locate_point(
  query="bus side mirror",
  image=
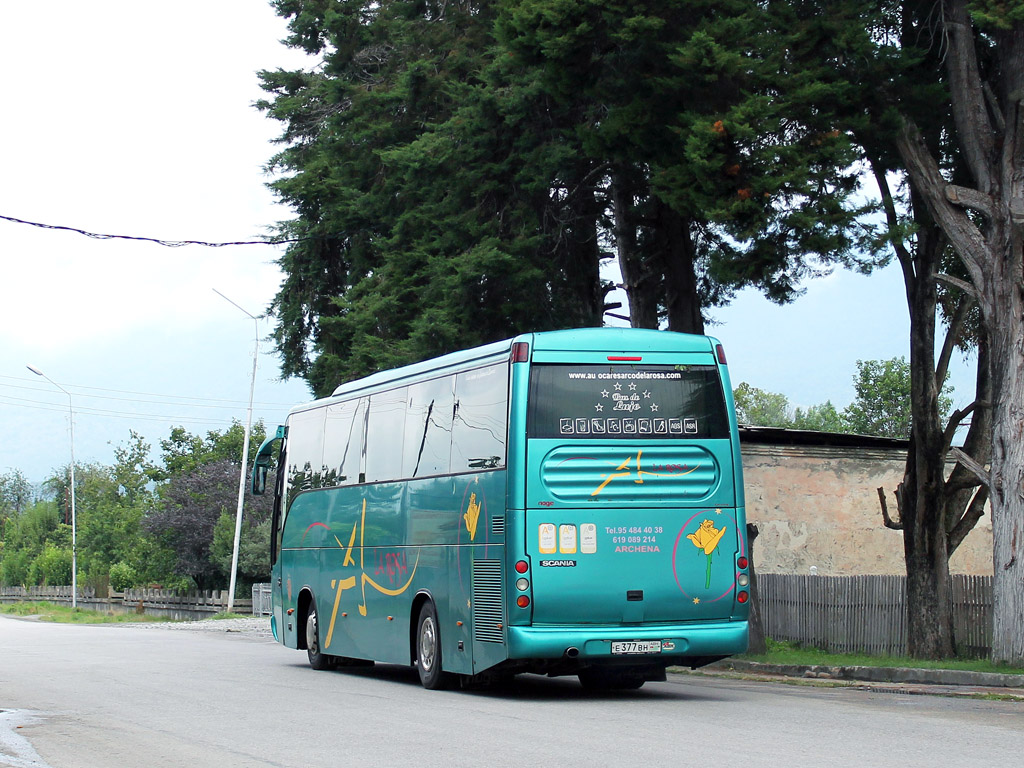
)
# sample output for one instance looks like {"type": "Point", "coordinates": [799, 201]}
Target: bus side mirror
{"type": "Point", "coordinates": [259, 479]}
{"type": "Point", "coordinates": [261, 465]}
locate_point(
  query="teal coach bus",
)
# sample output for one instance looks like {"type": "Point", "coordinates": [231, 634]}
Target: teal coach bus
{"type": "Point", "coordinates": [561, 503]}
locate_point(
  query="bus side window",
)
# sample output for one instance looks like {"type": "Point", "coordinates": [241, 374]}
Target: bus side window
{"type": "Point", "coordinates": [480, 425]}
{"type": "Point", "coordinates": [343, 442]}
{"type": "Point", "coordinates": [385, 432]}
{"type": "Point", "coordinates": [305, 452]}
{"type": "Point", "coordinates": [428, 428]}
{"type": "Point", "coordinates": [276, 527]}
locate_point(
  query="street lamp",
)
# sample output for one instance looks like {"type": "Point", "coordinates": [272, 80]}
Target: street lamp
{"type": "Point", "coordinates": [245, 455]}
{"type": "Point", "coordinates": [74, 527]}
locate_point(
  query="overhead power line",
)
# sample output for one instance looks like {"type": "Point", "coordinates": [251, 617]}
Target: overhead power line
{"type": "Point", "coordinates": [158, 241]}
{"type": "Point", "coordinates": [18, 402]}
{"type": "Point", "coordinates": [200, 402]}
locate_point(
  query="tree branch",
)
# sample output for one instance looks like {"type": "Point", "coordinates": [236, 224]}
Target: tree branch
{"type": "Point", "coordinates": [961, 285]}
{"type": "Point", "coordinates": [888, 521]}
{"type": "Point", "coordinates": [954, 422]}
{"type": "Point", "coordinates": [929, 182]}
{"type": "Point", "coordinates": [971, 198]}
{"type": "Point", "coordinates": [891, 216]}
{"type": "Point", "coordinates": [973, 126]}
{"type": "Point", "coordinates": [968, 463]}
{"type": "Point", "coordinates": [956, 323]}
{"type": "Point", "coordinates": [974, 512]}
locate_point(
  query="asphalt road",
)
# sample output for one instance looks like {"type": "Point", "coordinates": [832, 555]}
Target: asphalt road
{"type": "Point", "coordinates": [123, 696]}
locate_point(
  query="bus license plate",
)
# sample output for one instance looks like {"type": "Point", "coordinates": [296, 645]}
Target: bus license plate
{"type": "Point", "coordinates": [627, 647]}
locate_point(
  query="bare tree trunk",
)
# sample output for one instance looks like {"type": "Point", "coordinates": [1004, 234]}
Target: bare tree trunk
{"type": "Point", "coordinates": [579, 262]}
{"type": "Point", "coordinates": [678, 259]}
{"type": "Point", "coordinates": [758, 643]}
{"type": "Point", "coordinates": [921, 495]}
{"type": "Point", "coordinates": [990, 132]}
{"type": "Point", "coordinates": [929, 607]}
{"type": "Point", "coordinates": [639, 280]}
{"type": "Point", "coordinates": [1007, 473]}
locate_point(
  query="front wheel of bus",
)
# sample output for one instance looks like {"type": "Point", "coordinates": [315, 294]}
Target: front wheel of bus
{"type": "Point", "coordinates": [428, 650]}
{"type": "Point", "coordinates": [317, 659]}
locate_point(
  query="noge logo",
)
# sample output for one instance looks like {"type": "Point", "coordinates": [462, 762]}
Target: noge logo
{"type": "Point", "coordinates": [557, 563]}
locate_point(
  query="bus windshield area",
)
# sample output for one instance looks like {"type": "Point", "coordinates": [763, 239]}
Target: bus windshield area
{"type": "Point", "coordinates": [626, 402]}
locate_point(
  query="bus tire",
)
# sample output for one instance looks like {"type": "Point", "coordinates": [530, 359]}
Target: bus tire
{"type": "Point", "coordinates": [428, 650]}
{"type": "Point", "coordinates": [317, 658]}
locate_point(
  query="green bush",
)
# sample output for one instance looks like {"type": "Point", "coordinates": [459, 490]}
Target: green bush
{"type": "Point", "coordinates": [53, 566]}
{"type": "Point", "coordinates": [122, 577]}
{"type": "Point", "coordinates": [14, 568]}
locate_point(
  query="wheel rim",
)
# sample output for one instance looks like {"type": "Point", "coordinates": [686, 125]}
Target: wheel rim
{"type": "Point", "coordinates": [312, 639]}
{"type": "Point", "coordinates": [428, 644]}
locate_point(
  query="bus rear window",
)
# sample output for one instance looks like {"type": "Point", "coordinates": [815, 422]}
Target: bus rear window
{"type": "Point", "coordinates": [609, 402]}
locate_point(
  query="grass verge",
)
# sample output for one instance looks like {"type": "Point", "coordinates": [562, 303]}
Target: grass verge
{"type": "Point", "coordinates": [63, 614]}
{"type": "Point", "coordinates": [793, 654]}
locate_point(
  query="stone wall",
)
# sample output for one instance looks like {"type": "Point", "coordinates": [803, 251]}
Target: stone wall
{"type": "Point", "coordinates": [817, 506]}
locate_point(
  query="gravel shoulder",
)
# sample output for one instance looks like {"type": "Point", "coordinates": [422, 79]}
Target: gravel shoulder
{"type": "Point", "coordinates": [257, 626]}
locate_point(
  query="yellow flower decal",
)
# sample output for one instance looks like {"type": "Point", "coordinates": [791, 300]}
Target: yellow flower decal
{"type": "Point", "coordinates": [707, 538]}
{"type": "Point", "coordinates": [472, 516]}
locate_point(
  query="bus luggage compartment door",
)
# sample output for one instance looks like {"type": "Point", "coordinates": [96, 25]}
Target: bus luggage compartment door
{"type": "Point", "coordinates": [629, 566]}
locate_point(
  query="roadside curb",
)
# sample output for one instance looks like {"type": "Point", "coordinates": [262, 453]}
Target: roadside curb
{"type": "Point", "coordinates": [876, 674]}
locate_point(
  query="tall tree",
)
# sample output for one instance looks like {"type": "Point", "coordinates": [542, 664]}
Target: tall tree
{"type": "Point", "coordinates": [460, 170]}
{"type": "Point", "coordinates": [15, 496]}
{"type": "Point", "coordinates": [194, 514]}
{"type": "Point", "coordinates": [981, 214]}
{"type": "Point", "coordinates": [883, 399]}
{"type": "Point", "coordinates": [184, 520]}
{"type": "Point", "coordinates": [876, 64]}
{"type": "Point", "coordinates": [711, 170]}
{"type": "Point", "coordinates": [422, 236]}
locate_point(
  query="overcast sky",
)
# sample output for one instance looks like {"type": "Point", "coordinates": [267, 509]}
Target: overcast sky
{"type": "Point", "coordinates": [131, 118]}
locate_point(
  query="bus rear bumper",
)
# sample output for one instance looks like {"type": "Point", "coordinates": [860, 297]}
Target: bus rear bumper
{"type": "Point", "coordinates": [676, 640]}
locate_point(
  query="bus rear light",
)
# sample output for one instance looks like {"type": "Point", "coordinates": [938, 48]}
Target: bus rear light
{"type": "Point", "coordinates": [742, 597]}
{"type": "Point", "coordinates": [520, 352]}
{"type": "Point", "coordinates": [624, 359]}
{"type": "Point", "coordinates": [523, 601]}
{"type": "Point", "coordinates": [742, 562]}
{"type": "Point", "coordinates": [720, 354]}
{"type": "Point", "coordinates": [522, 566]}
{"type": "Point", "coordinates": [743, 579]}
{"type": "Point", "coordinates": [522, 584]}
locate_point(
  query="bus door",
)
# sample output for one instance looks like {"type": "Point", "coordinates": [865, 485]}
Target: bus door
{"type": "Point", "coordinates": [261, 468]}
{"type": "Point", "coordinates": [631, 498]}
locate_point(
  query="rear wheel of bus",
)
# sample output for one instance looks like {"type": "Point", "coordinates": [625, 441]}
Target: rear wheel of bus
{"type": "Point", "coordinates": [317, 658]}
{"type": "Point", "coordinates": [428, 650]}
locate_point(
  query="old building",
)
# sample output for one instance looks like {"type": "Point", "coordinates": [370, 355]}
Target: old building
{"type": "Point", "coordinates": [814, 499]}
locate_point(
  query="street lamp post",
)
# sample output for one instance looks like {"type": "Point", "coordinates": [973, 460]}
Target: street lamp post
{"type": "Point", "coordinates": [245, 455]}
{"type": "Point", "coordinates": [74, 526]}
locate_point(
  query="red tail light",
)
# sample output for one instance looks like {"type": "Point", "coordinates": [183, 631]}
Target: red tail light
{"type": "Point", "coordinates": [623, 359]}
{"type": "Point", "coordinates": [742, 597]}
{"type": "Point", "coordinates": [742, 562]}
{"type": "Point", "coordinates": [523, 601]}
{"type": "Point", "coordinates": [520, 352]}
{"type": "Point", "coordinates": [720, 353]}
{"type": "Point", "coordinates": [522, 566]}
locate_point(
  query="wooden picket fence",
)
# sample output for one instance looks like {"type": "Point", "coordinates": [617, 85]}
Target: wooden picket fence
{"type": "Point", "coordinates": [866, 614]}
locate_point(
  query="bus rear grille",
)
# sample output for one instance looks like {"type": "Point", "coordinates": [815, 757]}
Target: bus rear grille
{"type": "Point", "coordinates": [498, 526]}
{"type": "Point", "coordinates": [488, 605]}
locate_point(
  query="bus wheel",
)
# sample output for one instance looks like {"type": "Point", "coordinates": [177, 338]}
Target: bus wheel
{"type": "Point", "coordinates": [317, 659]}
{"type": "Point", "coordinates": [428, 650]}
{"type": "Point", "coordinates": [597, 679]}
